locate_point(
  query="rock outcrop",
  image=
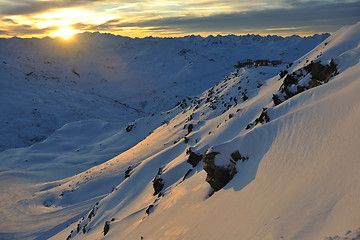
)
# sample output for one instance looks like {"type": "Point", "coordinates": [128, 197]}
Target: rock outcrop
{"type": "Point", "coordinates": [106, 227]}
{"type": "Point", "coordinates": [158, 183]}
{"type": "Point", "coordinates": [194, 159]}
{"type": "Point", "coordinates": [218, 176]}
{"type": "Point", "coordinates": [298, 81]}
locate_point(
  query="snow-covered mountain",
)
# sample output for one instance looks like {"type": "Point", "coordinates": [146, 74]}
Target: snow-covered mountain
{"type": "Point", "coordinates": [267, 153]}
{"type": "Point", "coordinates": [47, 83]}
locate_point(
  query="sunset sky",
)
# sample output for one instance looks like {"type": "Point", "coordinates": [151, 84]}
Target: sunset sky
{"type": "Point", "coordinates": [134, 18]}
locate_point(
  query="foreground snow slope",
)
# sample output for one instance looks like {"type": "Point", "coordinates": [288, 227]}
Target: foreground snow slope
{"type": "Point", "coordinates": [47, 83]}
{"type": "Point", "coordinates": [298, 177]}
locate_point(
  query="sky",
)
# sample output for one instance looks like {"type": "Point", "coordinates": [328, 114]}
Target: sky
{"type": "Point", "coordinates": [174, 18]}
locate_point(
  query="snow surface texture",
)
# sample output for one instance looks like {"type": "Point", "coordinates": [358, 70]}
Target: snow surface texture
{"type": "Point", "coordinates": [47, 83]}
{"type": "Point", "coordinates": [296, 163]}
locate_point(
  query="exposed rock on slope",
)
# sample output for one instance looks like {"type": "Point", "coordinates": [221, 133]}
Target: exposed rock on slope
{"type": "Point", "coordinates": [310, 76]}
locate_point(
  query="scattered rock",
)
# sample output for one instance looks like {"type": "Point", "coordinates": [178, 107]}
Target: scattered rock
{"type": "Point", "coordinates": [263, 118]}
{"type": "Point", "coordinates": [129, 127]}
{"type": "Point", "coordinates": [91, 214]}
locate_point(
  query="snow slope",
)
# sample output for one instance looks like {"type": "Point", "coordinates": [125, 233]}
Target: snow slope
{"type": "Point", "coordinates": [297, 176]}
{"type": "Point", "coordinates": [47, 83]}
{"type": "Point", "coordinates": [300, 180]}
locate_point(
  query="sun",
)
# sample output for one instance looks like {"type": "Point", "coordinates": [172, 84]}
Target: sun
{"type": "Point", "coordinates": [65, 32]}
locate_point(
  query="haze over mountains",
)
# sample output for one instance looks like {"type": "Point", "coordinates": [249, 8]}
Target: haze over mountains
{"type": "Point", "coordinates": [116, 138]}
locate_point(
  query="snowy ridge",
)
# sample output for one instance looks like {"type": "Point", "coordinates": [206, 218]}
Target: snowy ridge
{"type": "Point", "coordinates": [279, 154]}
{"type": "Point", "coordinates": [277, 170]}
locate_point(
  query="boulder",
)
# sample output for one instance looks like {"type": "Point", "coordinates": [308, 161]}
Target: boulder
{"type": "Point", "coordinates": [106, 227]}
{"type": "Point", "coordinates": [236, 156]}
{"type": "Point", "coordinates": [218, 176]}
{"type": "Point", "coordinates": [194, 159]}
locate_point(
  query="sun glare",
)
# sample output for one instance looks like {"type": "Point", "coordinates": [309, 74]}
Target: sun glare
{"type": "Point", "coordinates": [65, 32]}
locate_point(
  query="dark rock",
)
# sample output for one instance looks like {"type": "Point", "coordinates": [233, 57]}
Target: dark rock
{"type": "Point", "coordinates": [84, 229]}
{"type": "Point", "coordinates": [290, 80]}
{"type": "Point", "coordinates": [217, 176]}
{"type": "Point", "coordinates": [158, 183]}
{"type": "Point", "coordinates": [148, 209]}
{"type": "Point", "coordinates": [313, 83]}
{"type": "Point", "coordinates": [190, 128]}
{"type": "Point", "coordinates": [127, 172]}
{"type": "Point", "coordinates": [264, 117]}
{"type": "Point", "coordinates": [106, 227]}
{"type": "Point", "coordinates": [283, 73]}
{"type": "Point", "coordinates": [92, 213]}
{"type": "Point", "coordinates": [194, 159]}
{"type": "Point", "coordinates": [129, 127]}
{"type": "Point", "coordinates": [320, 74]}
{"type": "Point", "coordinates": [276, 99]}
{"type": "Point", "coordinates": [236, 156]}
{"type": "Point", "coordinates": [245, 97]}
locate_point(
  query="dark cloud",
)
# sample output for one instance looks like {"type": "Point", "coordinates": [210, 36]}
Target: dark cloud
{"type": "Point", "coordinates": [25, 29]}
{"type": "Point", "coordinates": [310, 15]}
{"type": "Point", "coordinates": [27, 7]}
{"type": "Point", "coordinates": [9, 20]}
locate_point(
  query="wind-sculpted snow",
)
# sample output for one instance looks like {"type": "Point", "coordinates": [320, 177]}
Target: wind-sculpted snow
{"type": "Point", "coordinates": [228, 163]}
